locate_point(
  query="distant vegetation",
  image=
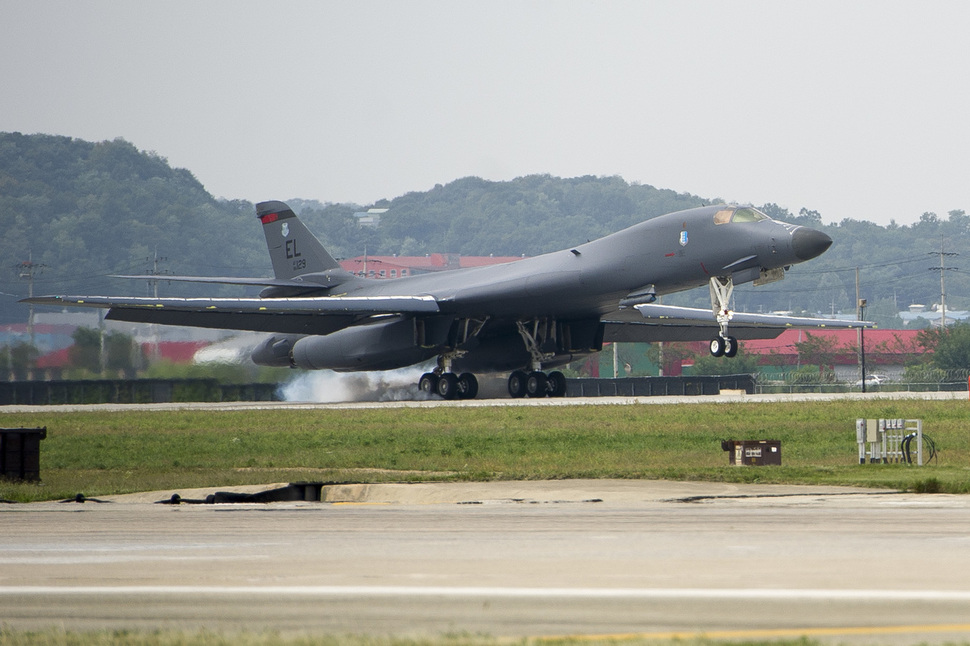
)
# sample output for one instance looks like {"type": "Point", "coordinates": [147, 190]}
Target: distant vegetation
{"type": "Point", "coordinates": [86, 210]}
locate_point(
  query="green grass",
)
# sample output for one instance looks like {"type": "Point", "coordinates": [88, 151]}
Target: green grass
{"type": "Point", "coordinates": [100, 453]}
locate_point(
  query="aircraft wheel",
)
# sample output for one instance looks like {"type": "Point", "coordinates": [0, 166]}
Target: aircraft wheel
{"type": "Point", "coordinates": [717, 347]}
{"type": "Point", "coordinates": [731, 347]}
{"type": "Point", "coordinates": [535, 384]}
{"type": "Point", "coordinates": [448, 386]}
{"type": "Point", "coordinates": [517, 384]}
{"type": "Point", "coordinates": [467, 386]}
{"type": "Point", "coordinates": [557, 384]}
{"type": "Point", "coordinates": [428, 384]}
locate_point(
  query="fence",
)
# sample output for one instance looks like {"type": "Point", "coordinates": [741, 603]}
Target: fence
{"type": "Point", "coordinates": [659, 386]}
{"type": "Point", "coordinates": [133, 391]}
{"type": "Point", "coordinates": [915, 381]}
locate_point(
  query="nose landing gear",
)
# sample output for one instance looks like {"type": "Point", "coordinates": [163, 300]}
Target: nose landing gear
{"type": "Point", "coordinates": [723, 345]}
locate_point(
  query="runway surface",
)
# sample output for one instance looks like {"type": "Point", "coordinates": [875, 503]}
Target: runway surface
{"type": "Point", "coordinates": [730, 397]}
{"type": "Point", "coordinates": [613, 558]}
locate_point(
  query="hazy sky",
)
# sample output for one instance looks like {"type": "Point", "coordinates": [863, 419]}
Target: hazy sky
{"type": "Point", "coordinates": [855, 109]}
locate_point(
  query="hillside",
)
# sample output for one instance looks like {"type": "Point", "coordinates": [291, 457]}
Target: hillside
{"type": "Point", "coordinates": [86, 210]}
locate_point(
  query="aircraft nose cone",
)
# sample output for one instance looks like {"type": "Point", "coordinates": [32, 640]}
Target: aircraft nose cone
{"type": "Point", "coordinates": [809, 243]}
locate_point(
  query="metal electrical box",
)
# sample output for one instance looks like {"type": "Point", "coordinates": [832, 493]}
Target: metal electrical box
{"type": "Point", "coordinates": [20, 452]}
{"type": "Point", "coordinates": [889, 441]}
{"type": "Point", "coordinates": [753, 452]}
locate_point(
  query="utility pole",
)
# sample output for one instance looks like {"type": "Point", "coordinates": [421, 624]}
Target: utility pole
{"type": "Point", "coordinates": [155, 272]}
{"type": "Point", "coordinates": [942, 271]}
{"type": "Point", "coordinates": [860, 335]}
{"type": "Point", "coordinates": [26, 271]}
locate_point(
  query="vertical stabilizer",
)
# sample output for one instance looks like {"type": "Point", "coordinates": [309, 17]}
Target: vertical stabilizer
{"type": "Point", "coordinates": [293, 250]}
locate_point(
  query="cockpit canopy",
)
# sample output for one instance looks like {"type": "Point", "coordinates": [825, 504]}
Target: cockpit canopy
{"type": "Point", "coordinates": [739, 214]}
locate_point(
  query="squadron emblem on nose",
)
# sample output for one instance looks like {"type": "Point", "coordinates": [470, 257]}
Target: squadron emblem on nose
{"type": "Point", "coordinates": [683, 238]}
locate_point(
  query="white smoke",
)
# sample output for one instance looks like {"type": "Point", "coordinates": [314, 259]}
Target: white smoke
{"type": "Point", "coordinates": [236, 350]}
{"type": "Point", "coordinates": [327, 386]}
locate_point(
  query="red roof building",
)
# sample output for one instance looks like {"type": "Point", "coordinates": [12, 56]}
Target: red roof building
{"type": "Point", "coordinates": [886, 347]}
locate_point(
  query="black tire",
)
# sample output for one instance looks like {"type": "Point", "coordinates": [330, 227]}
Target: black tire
{"type": "Point", "coordinates": [428, 384]}
{"type": "Point", "coordinates": [535, 384]}
{"type": "Point", "coordinates": [557, 384]}
{"type": "Point", "coordinates": [448, 386]}
{"type": "Point", "coordinates": [731, 347]}
{"type": "Point", "coordinates": [467, 386]}
{"type": "Point", "coordinates": [517, 384]}
{"type": "Point", "coordinates": [717, 347]}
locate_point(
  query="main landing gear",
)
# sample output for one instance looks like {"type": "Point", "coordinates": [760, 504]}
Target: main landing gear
{"type": "Point", "coordinates": [723, 345]}
{"type": "Point", "coordinates": [449, 385]}
{"type": "Point", "coordinates": [537, 384]}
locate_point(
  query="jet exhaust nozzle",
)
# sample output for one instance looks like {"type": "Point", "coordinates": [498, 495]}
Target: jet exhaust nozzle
{"type": "Point", "coordinates": [274, 351]}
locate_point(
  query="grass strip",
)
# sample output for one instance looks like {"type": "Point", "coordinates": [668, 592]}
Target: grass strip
{"type": "Point", "coordinates": [102, 453]}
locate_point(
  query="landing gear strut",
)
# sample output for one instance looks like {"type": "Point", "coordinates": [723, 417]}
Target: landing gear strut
{"type": "Point", "coordinates": [723, 345]}
{"type": "Point", "coordinates": [536, 383]}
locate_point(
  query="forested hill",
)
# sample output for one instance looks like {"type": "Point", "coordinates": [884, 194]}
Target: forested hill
{"type": "Point", "coordinates": [86, 210]}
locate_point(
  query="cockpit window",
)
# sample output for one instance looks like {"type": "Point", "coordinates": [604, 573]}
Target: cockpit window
{"type": "Point", "coordinates": [748, 215]}
{"type": "Point", "coordinates": [723, 217]}
{"type": "Point", "coordinates": [741, 214]}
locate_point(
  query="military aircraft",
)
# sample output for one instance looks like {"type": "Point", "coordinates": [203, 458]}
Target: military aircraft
{"type": "Point", "coordinates": [524, 317]}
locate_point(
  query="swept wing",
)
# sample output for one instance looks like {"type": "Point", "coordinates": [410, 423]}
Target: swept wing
{"type": "Point", "coordinates": [320, 315]}
{"type": "Point", "coordinates": [654, 322]}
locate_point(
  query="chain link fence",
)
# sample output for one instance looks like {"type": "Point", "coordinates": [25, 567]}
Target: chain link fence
{"type": "Point", "coordinates": [913, 379]}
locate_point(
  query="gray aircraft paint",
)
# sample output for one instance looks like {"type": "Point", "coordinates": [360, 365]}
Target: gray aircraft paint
{"type": "Point", "coordinates": [565, 303]}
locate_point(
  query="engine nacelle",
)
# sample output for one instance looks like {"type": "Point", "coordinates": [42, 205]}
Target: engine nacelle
{"type": "Point", "coordinates": [275, 351]}
{"type": "Point", "coordinates": [377, 346]}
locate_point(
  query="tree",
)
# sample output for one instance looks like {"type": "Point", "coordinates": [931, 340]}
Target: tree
{"type": "Point", "coordinates": [743, 363]}
{"type": "Point", "coordinates": [818, 351]}
{"type": "Point", "coordinates": [4, 363]}
{"type": "Point", "coordinates": [23, 359]}
{"type": "Point", "coordinates": [85, 354]}
{"type": "Point", "coordinates": [673, 355]}
{"type": "Point", "coordinates": [122, 354]}
{"type": "Point", "coordinates": [950, 346]}
{"type": "Point", "coordinates": [884, 313]}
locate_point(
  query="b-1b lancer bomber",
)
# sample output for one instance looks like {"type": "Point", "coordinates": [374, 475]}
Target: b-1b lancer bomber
{"type": "Point", "coordinates": [522, 317]}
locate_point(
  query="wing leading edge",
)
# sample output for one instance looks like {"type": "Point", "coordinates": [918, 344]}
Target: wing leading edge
{"type": "Point", "coordinates": [653, 322]}
{"type": "Point", "coordinates": [286, 315]}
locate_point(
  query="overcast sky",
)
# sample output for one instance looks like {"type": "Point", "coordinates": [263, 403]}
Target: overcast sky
{"type": "Point", "coordinates": [855, 109]}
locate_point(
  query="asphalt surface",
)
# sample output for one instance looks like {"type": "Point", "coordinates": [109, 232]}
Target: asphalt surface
{"type": "Point", "coordinates": [728, 397]}
{"type": "Point", "coordinates": [613, 558]}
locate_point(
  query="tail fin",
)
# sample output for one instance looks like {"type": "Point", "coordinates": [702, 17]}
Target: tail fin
{"type": "Point", "coordinates": [293, 250]}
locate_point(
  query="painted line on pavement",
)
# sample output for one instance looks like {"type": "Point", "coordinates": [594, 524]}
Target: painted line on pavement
{"type": "Point", "coordinates": [744, 594]}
